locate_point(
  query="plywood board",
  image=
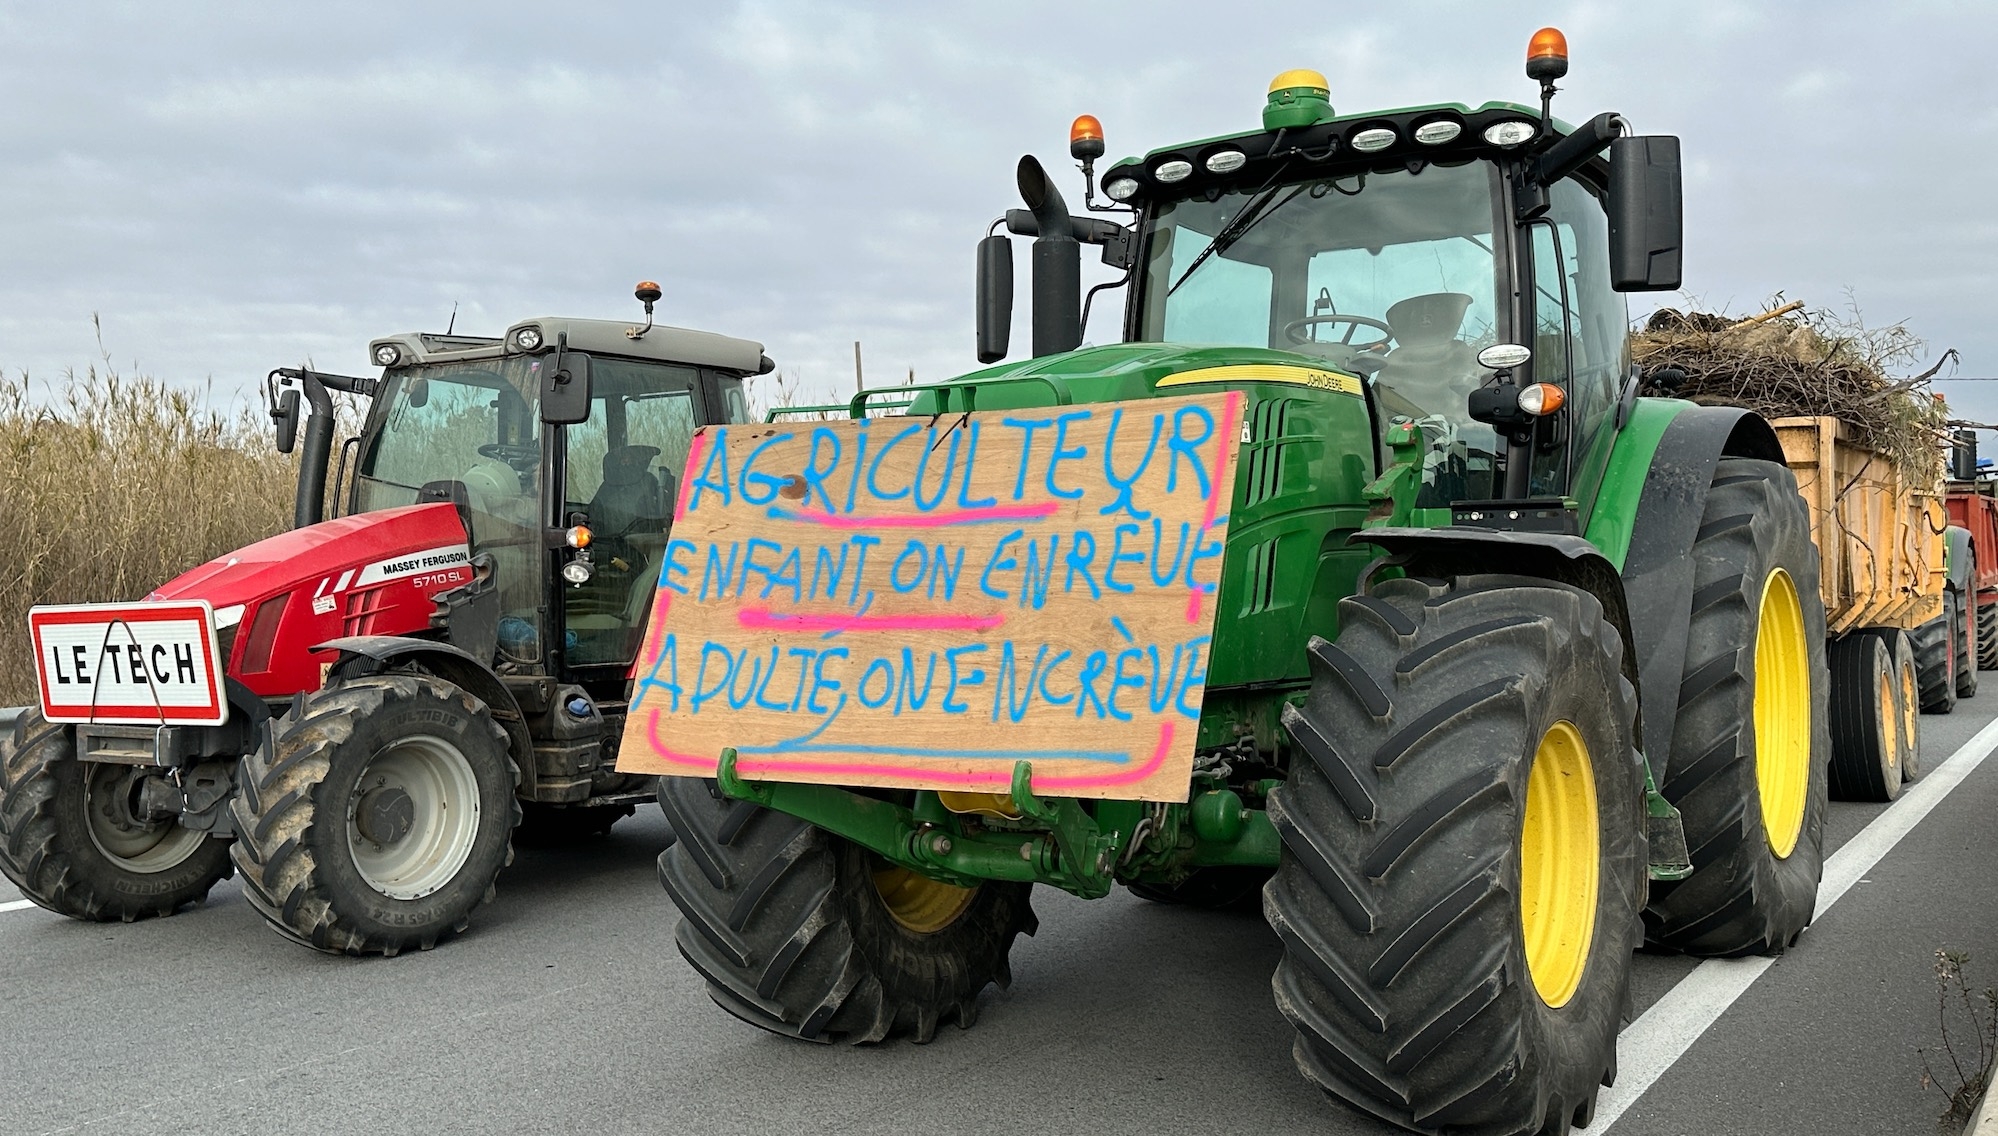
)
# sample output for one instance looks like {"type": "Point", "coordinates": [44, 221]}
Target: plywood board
{"type": "Point", "coordinates": [923, 602]}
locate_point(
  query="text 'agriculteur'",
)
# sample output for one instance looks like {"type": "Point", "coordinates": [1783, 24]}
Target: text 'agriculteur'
{"type": "Point", "coordinates": [924, 601]}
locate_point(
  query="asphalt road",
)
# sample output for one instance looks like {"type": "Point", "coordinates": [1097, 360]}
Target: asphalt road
{"type": "Point", "coordinates": [566, 1008]}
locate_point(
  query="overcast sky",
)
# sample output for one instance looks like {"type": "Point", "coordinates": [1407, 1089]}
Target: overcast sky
{"type": "Point", "coordinates": [238, 187]}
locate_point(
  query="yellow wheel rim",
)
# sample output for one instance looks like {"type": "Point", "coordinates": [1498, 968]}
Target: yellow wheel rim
{"type": "Point", "coordinates": [1558, 868]}
{"type": "Point", "coordinates": [1890, 722]}
{"type": "Point", "coordinates": [918, 902]}
{"type": "Point", "coordinates": [1783, 713]}
{"type": "Point", "coordinates": [1910, 709]}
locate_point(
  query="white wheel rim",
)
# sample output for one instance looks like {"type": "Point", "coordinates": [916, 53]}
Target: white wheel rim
{"type": "Point", "coordinates": [444, 799]}
{"type": "Point", "coordinates": [140, 846]}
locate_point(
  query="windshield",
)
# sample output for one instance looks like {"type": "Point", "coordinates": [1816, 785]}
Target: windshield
{"type": "Point", "coordinates": [1386, 275]}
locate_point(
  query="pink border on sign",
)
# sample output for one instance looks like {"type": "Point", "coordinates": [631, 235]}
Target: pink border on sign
{"type": "Point", "coordinates": [994, 780]}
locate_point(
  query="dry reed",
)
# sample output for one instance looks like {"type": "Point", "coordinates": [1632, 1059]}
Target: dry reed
{"type": "Point", "coordinates": [117, 486]}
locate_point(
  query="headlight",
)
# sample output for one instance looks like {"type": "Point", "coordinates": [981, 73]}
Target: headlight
{"type": "Point", "coordinates": [576, 572]}
{"type": "Point", "coordinates": [1121, 189]}
{"type": "Point", "coordinates": [1225, 161]}
{"type": "Point", "coordinates": [1541, 399]}
{"type": "Point", "coordinates": [1510, 133]}
{"type": "Point", "coordinates": [1175, 170]}
{"type": "Point", "coordinates": [387, 355]}
{"type": "Point", "coordinates": [1437, 133]}
{"type": "Point", "coordinates": [1369, 141]}
{"type": "Point", "coordinates": [529, 338]}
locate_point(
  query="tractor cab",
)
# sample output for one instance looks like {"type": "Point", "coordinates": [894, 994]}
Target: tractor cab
{"type": "Point", "coordinates": [569, 504]}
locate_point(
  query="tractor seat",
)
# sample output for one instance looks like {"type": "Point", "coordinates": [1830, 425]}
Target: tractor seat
{"type": "Point", "coordinates": [628, 500]}
{"type": "Point", "coordinates": [1429, 366]}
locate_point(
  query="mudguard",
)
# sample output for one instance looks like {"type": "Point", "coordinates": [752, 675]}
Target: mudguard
{"type": "Point", "coordinates": [1460, 551]}
{"type": "Point", "coordinates": [1659, 565]}
{"type": "Point", "coordinates": [1960, 558]}
{"type": "Point", "coordinates": [369, 654]}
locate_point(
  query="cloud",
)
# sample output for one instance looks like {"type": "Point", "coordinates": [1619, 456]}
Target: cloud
{"type": "Point", "coordinates": [236, 187]}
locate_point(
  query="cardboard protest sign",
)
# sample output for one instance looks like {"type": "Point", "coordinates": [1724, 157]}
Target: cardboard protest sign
{"type": "Point", "coordinates": [922, 602]}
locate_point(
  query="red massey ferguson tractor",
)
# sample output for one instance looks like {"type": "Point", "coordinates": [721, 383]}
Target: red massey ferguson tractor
{"type": "Point", "coordinates": [442, 659]}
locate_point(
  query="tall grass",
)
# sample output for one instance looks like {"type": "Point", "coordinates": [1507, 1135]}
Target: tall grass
{"type": "Point", "coordinates": [118, 485]}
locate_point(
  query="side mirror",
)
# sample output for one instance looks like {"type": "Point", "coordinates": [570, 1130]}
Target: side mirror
{"type": "Point", "coordinates": [565, 388]}
{"type": "Point", "coordinates": [995, 297]}
{"type": "Point", "coordinates": [1646, 214]}
{"type": "Point", "coordinates": [1963, 455]}
{"type": "Point", "coordinates": [419, 392]}
{"type": "Point", "coordinates": [286, 417]}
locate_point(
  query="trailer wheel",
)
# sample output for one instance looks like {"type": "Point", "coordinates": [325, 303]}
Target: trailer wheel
{"type": "Point", "coordinates": [379, 818]}
{"type": "Point", "coordinates": [1987, 637]}
{"type": "Point", "coordinates": [1747, 767]}
{"type": "Point", "coordinates": [1964, 659]}
{"type": "Point", "coordinates": [804, 934]}
{"type": "Point", "coordinates": [1908, 699]}
{"type": "Point", "coordinates": [1462, 865]}
{"type": "Point", "coordinates": [72, 840]}
{"type": "Point", "coordinates": [1935, 658]}
{"type": "Point", "coordinates": [1868, 719]}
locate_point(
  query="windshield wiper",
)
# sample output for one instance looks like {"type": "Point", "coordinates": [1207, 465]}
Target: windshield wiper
{"type": "Point", "coordinates": [1235, 230]}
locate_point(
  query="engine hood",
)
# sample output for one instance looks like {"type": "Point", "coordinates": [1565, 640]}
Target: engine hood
{"type": "Point", "coordinates": [1118, 371]}
{"type": "Point", "coordinates": [329, 548]}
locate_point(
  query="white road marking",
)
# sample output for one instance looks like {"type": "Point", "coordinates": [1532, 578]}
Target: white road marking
{"type": "Point", "coordinates": [1663, 1033]}
{"type": "Point", "coordinates": [16, 905]}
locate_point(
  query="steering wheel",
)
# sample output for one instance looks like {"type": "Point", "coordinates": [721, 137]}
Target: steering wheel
{"type": "Point", "coordinates": [1294, 331]}
{"type": "Point", "coordinates": [521, 458]}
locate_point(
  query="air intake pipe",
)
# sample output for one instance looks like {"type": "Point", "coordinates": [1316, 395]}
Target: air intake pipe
{"type": "Point", "coordinates": [1057, 261]}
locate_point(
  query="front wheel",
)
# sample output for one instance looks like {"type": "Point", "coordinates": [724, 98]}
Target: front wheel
{"type": "Point", "coordinates": [379, 818]}
{"type": "Point", "coordinates": [801, 933]}
{"type": "Point", "coordinates": [1463, 861]}
{"type": "Point", "coordinates": [1751, 743]}
{"type": "Point", "coordinates": [76, 838]}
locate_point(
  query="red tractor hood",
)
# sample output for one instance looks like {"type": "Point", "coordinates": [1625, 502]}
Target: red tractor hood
{"type": "Point", "coordinates": [367, 574]}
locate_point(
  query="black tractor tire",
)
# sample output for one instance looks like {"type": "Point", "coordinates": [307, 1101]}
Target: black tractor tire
{"type": "Point", "coordinates": [49, 850]}
{"type": "Point", "coordinates": [1935, 659]}
{"type": "Point", "coordinates": [1987, 637]}
{"type": "Point", "coordinates": [1211, 889]}
{"type": "Point", "coordinates": [554, 826]}
{"type": "Point", "coordinates": [789, 928]}
{"type": "Point", "coordinates": [1743, 896]}
{"type": "Point", "coordinates": [298, 808]}
{"type": "Point", "coordinates": [1399, 891]}
{"type": "Point", "coordinates": [1967, 647]}
{"type": "Point", "coordinates": [1867, 718]}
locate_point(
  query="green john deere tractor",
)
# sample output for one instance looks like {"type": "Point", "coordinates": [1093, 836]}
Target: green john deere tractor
{"type": "Point", "coordinates": [1512, 670]}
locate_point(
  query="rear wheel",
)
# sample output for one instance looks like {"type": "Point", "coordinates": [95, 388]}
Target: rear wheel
{"type": "Point", "coordinates": [1751, 742]}
{"type": "Point", "coordinates": [801, 933]}
{"type": "Point", "coordinates": [1463, 856]}
{"type": "Point", "coordinates": [1935, 659]}
{"type": "Point", "coordinates": [76, 839]}
{"type": "Point", "coordinates": [379, 818]}
{"type": "Point", "coordinates": [1867, 718]}
{"type": "Point", "coordinates": [1966, 655]}
{"type": "Point", "coordinates": [1987, 636]}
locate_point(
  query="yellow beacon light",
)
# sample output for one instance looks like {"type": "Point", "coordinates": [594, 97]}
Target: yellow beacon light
{"type": "Point", "coordinates": [1300, 97]}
